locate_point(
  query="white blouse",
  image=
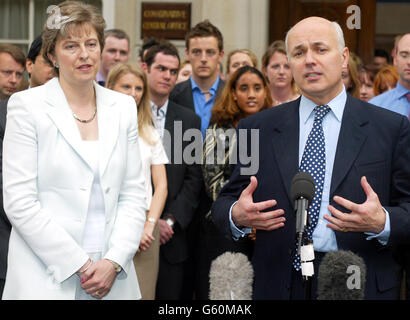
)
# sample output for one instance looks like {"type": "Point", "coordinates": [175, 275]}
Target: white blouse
{"type": "Point", "coordinates": [151, 155]}
{"type": "Point", "coordinates": [93, 238]}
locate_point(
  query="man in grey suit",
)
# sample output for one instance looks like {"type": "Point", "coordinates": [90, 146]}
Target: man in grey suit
{"type": "Point", "coordinates": [12, 61]}
{"type": "Point", "coordinates": [40, 72]}
{"type": "Point", "coordinates": [5, 226]}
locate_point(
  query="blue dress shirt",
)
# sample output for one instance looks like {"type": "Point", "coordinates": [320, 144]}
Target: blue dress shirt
{"type": "Point", "coordinates": [324, 238]}
{"type": "Point", "coordinates": [394, 100]}
{"type": "Point", "coordinates": [100, 79]}
{"type": "Point", "coordinates": [203, 108]}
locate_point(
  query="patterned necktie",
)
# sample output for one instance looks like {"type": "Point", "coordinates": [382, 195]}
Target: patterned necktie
{"type": "Point", "coordinates": [159, 116]}
{"type": "Point", "coordinates": [314, 163]}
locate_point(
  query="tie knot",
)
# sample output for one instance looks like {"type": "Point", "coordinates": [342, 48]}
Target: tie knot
{"type": "Point", "coordinates": [160, 113]}
{"type": "Point", "coordinates": [320, 112]}
{"type": "Point", "coordinates": [408, 96]}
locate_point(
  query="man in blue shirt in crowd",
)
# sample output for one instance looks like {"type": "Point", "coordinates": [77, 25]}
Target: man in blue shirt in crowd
{"type": "Point", "coordinates": [204, 50]}
{"type": "Point", "coordinates": [398, 99]}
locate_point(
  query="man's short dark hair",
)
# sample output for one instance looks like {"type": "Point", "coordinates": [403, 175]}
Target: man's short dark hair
{"type": "Point", "coordinates": [205, 29]}
{"type": "Point", "coordinates": [382, 53]}
{"type": "Point", "coordinates": [35, 49]}
{"type": "Point", "coordinates": [164, 47]}
{"type": "Point", "coordinates": [148, 43]}
{"type": "Point", "coordinates": [117, 33]}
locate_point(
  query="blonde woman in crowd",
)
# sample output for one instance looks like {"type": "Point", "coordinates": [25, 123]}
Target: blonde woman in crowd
{"type": "Point", "coordinates": [76, 198]}
{"type": "Point", "coordinates": [276, 68]}
{"type": "Point", "coordinates": [239, 58]}
{"type": "Point", "coordinates": [131, 80]}
{"type": "Point", "coordinates": [351, 79]}
{"type": "Point", "coordinates": [185, 71]}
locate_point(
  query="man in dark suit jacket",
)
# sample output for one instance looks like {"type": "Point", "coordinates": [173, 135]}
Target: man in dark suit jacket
{"type": "Point", "coordinates": [182, 93]}
{"type": "Point", "coordinates": [5, 226]}
{"type": "Point", "coordinates": [161, 65]}
{"type": "Point", "coordinates": [204, 50]}
{"type": "Point", "coordinates": [365, 203]}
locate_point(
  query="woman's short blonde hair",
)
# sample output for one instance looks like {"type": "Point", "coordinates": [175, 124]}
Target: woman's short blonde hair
{"type": "Point", "coordinates": [72, 15]}
{"type": "Point", "coordinates": [145, 119]}
{"type": "Point", "coordinates": [249, 53]}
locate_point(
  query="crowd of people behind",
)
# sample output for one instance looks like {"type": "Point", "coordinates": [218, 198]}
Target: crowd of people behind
{"type": "Point", "coordinates": [122, 207]}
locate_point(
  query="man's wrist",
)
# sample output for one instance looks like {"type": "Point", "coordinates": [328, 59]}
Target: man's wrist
{"type": "Point", "coordinates": [170, 220]}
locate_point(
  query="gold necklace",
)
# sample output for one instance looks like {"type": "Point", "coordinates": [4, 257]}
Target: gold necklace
{"type": "Point", "coordinates": [88, 120]}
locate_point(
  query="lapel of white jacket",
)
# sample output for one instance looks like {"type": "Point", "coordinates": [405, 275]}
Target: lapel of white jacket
{"type": "Point", "coordinates": [108, 124]}
{"type": "Point", "coordinates": [108, 120]}
{"type": "Point", "coordinates": [61, 114]}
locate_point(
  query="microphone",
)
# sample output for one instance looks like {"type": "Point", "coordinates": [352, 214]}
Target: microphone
{"type": "Point", "coordinates": [231, 277]}
{"type": "Point", "coordinates": [302, 192]}
{"type": "Point", "coordinates": [341, 276]}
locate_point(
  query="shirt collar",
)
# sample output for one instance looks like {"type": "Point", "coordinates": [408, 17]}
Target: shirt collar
{"type": "Point", "coordinates": [159, 111]}
{"type": "Point", "coordinates": [337, 106]}
{"type": "Point", "coordinates": [211, 90]}
{"type": "Point", "coordinates": [400, 91]}
{"type": "Point", "coordinates": [99, 77]}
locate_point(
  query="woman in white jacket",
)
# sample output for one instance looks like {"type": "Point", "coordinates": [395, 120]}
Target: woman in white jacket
{"type": "Point", "coordinates": [73, 185]}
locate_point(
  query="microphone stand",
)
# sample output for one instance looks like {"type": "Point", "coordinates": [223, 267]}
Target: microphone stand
{"type": "Point", "coordinates": [307, 256]}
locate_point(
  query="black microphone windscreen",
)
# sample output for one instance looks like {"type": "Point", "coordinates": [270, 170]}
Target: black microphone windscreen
{"type": "Point", "coordinates": [302, 186]}
{"type": "Point", "coordinates": [341, 276]}
{"type": "Point", "coordinates": [231, 277]}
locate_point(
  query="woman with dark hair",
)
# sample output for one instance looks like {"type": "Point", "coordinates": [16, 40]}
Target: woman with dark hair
{"type": "Point", "coordinates": [245, 93]}
{"type": "Point", "coordinates": [367, 75]}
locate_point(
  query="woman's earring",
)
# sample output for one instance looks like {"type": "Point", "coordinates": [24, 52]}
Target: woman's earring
{"type": "Point", "coordinates": [56, 65]}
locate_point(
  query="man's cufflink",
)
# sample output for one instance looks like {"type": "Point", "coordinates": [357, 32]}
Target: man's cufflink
{"type": "Point", "coordinates": [170, 222]}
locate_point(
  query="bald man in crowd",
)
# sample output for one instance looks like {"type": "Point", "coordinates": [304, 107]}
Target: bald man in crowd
{"type": "Point", "coordinates": [398, 99]}
{"type": "Point", "coordinates": [358, 156]}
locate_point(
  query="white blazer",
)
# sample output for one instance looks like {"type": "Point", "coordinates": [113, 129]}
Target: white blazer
{"type": "Point", "coordinates": [46, 187]}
